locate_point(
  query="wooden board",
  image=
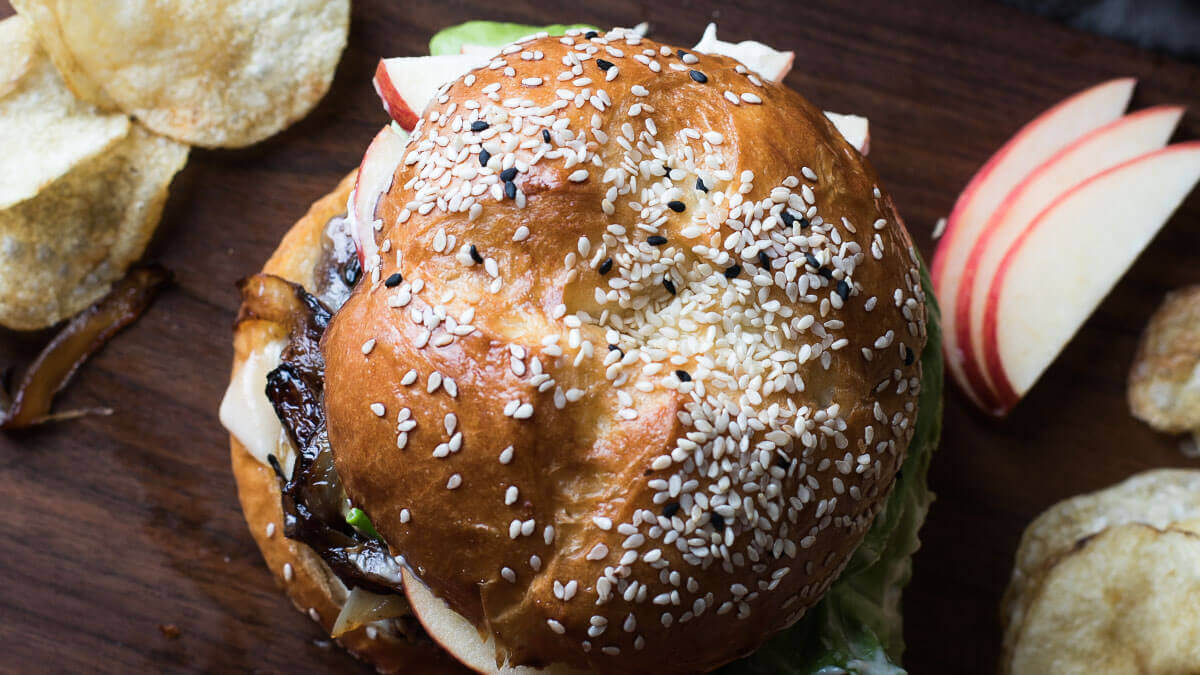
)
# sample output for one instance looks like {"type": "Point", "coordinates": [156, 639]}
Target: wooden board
{"type": "Point", "coordinates": [113, 526]}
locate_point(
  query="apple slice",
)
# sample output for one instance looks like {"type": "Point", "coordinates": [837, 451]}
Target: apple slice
{"type": "Point", "coordinates": [1118, 142]}
{"type": "Point", "coordinates": [375, 174]}
{"type": "Point", "coordinates": [855, 129]}
{"type": "Point", "coordinates": [1063, 265]}
{"type": "Point", "coordinates": [767, 62]}
{"type": "Point", "coordinates": [458, 636]}
{"type": "Point", "coordinates": [1036, 142]}
{"type": "Point", "coordinates": [406, 84]}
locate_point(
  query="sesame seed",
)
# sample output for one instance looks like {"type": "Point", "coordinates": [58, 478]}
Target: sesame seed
{"type": "Point", "coordinates": [698, 76]}
{"type": "Point", "coordinates": [700, 185]}
{"type": "Point", "coordinates": [750, 98]}
{"type": "Point", "coordinates": [676, 206]}
{"type": "Point", "coordinates": [479, 125]}
{"type": "Point", "coordinates": [288, 572]}
{"type": "Point", "coordinates": [732, 271]}
{"type": "Point", "coordinates": [506, 455]}
{"type": "Point", "coordinates": [602, 522]}
{"type": "Point", "coordinates": [378, 409]}
{"type": "Point", "coordinates": [545, 135]}
{"type": "Point", "coordinates": [508, 174]}
{"type": "Point", "coordinates": [591, 34]}
{"type": "Point", "coordinates": [683, 376]}
{"type": "Point", "coordinates": [669, 285]}
{"type": "Point", "coordinates": [475, 254]}
{"type": "Point", "coordinates": [556, 626]}
{"type": "Point", "coordinates": [843, 289]}
{"type": "Point", "coordinates": [454, 482]}
{"type": "Point", "coordinates": [393, 280]}
{"type": "Point", "coordinates": [578, 176]}
{"type": "Point", "coordinates": [598, 552]}
{"type": "Point", "coordinates": [510, 189]}
{"type": "Point", "coordinates": [509, 575]}
{"type": "Point", "coordinates": [270, 530]}
{"type": "Point", "coordinates": [606, 266]}
{"type": "Point", "coordinates": [604, 65]}
{"type": "Point", "coordinates": [656, 240]}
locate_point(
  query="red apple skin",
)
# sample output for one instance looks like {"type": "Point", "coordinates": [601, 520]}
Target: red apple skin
{"type": "Point", "coordinates": [937, 267]}
{"type": "Point", "coordinates": [1008, 395]}
{"type": "Point", "coordinates": [973, 363]}
{"type": "Point", "coordinates": [393, 103]}
{"type": "Point", "coordinates": [387, 147]}
{"type": "Point", "coordinates": [984, 397]}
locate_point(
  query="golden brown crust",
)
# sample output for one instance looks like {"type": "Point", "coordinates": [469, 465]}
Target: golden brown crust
{"type": "Point", "coordinates": [309, 583]}
{"type": "Point", "coordinates": [447, 502]}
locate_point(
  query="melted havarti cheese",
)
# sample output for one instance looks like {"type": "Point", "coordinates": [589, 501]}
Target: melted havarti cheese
{"type": "Point", "coordinates": [249, 416]}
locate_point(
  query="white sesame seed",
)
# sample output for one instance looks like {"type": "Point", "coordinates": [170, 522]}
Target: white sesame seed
{"type": "Point", "coordinates": [454, 482]}
{"type": "Point", "coordinates": [378, 409]}
{"type": "Point", "coordinates": [578, 176]}
{"type": "Point", "coordinates": [288, 572]}
{"type": "Point", "coordinates": [368, 346]}
{"type": "Point", "coordinates": [556, 626]}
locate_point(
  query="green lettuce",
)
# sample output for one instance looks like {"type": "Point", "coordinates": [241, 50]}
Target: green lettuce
{"type": "Point", "coordinates": [856, 628]}
{"type": "Point", "coordinates": [489, 34]}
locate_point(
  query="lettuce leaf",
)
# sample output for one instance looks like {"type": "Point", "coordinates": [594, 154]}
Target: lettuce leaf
{"type": "Point", "coordinates": [857, 628]}
{"type": "Point", "coordinates": [489, 34]}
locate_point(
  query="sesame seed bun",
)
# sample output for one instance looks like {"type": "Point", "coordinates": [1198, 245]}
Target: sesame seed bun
{"type": "Point", "coordinates": [600, 425]}
{"type": "Point", "coordinates": [308, 581]}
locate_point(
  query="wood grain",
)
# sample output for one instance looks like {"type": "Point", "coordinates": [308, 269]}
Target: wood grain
{"type": "Point", "coordinates": [116, 525]}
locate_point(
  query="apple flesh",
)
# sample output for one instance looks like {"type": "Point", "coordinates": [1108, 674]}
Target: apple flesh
{"type": "Point", "coordinates": [1116, 143]}
{"type": "Point", "coordinates": [406, 84]}
{"type": "Point", "coordinates": [375, 174]}
{"type": "Point", "coordinates": [855, 129]}
{"type": "Point", "coordinates": [763, 60]}
{"type": "Point", "coordinates": [458, 636]}
{"type": "Point", "coordinates": [1035, 143]}
{"type": "Point", "coordinates": [1072, 255]}
{"type": "Point", "coordinates": [405, 92]}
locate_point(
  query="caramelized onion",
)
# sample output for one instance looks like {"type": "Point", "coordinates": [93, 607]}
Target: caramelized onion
{"type": "Point", "coordinates": [83, 336]}
{"type": "Point", "coordinates": [363, 607]}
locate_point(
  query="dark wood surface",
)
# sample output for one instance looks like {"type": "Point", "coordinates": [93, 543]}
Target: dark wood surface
{"type": "Point", "coordinates": [114, 526]}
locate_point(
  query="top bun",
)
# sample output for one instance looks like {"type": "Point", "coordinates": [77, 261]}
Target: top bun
{"type": "Point", "coordinates": [653, 362]}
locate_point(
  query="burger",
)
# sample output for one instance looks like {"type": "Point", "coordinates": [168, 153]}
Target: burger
{"type": "Point", "coordinates": [621, 361]}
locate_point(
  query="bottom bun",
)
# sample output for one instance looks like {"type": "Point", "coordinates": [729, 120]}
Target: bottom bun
{"type": "Point", "coordinates": [312, 586]}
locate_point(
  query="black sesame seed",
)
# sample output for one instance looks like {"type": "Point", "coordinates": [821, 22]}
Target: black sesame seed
{"type": "Point", "coordinates": [843, 289]}
{"type": "Point", "coordinates": [545, 135]}
{"type": "Point", "coordinates": [393, 281]}
{"type": "Point", "coordinates": [804, 224]}
{"type": "Point", "coordinates": [670, 509]}
{"type": "Point", "coordinates": [676, 206]}
{"type": "Point", "coordinates": [614, 348]}
{"type": "Point", "coordinates": [604, 65]}
{"type": "Point", "coordinates": [591, 34]}
{"type": "Point", "coordinates": [680, 53]}
{"type": "Point", "coordinates": [656, 240]}
{"type": "Point", "coordinates": [479, 125]}
{"type": "Point", "coordinates": [698, 76]}
{"type": "Point", "coordinates": [669, 285]}
{"type": "Point", "coordinates": [811, 261]}
{"type": "Point", "coordinates": [274, 462]}
{"type": "Point", "coordinates": [484, 157]}
{"type": "Point", "coordinates": [782, 462]}
{"type": "Point", "coordinates": [508, 174]}
{"type": "Point", "coordinates": [825, 272]}
{"type": "Point", "coordinates": [732, 271]}
{"type": "Point", "coordinates": [510, 189]}
{"type": "Point", "coordinates": [764, 261]}
{"type": "Point", "coordinates": [700, 185]}
{"type": "Point", "coordinates": [475, 255]}
{"type": "Point", "coordinates": [787, 218]}
{"type": "Point", "coordinates": [606, 266]}
{"type": "Point", "coordinates": [683, 376]}
{"type": "Point", "coordinates": [909, 356]}
{"type": "Point", "coordinates": [718, 521]}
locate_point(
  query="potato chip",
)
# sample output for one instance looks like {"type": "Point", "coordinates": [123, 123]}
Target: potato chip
{"type": "Point", "coordinates": [61, 250]}
{"type": "Point", "coordinates": [44, 129]}
{"type": "Point", "coordinates": [1123, 601]}
{"type": "Point", "coordinates": [1160, 498]}
{"type": "Point", "coordinates": [1164, 383]}
{"type": "Point", "coordinates": [220, 73]}
{"type": "Point", "coordinates": [17, 48]}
